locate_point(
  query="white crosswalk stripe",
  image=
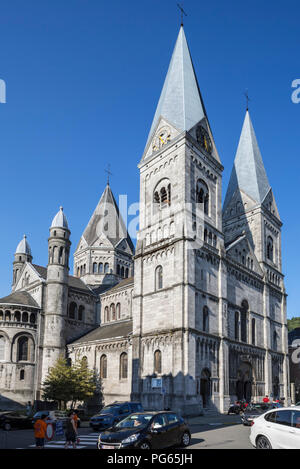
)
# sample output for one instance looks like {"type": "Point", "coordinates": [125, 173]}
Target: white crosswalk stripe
{"type": "Point", "coordinates": [85, 441]}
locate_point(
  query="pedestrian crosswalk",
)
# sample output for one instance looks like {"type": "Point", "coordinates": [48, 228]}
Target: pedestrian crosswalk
{"type": "Point", "coordinates": [87, 441]}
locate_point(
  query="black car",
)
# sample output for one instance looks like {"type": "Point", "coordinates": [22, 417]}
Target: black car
{"type": "Point", "coordinates": [253, 411]}
{"type": "Point", "coordinates": [11, 419]}
{"type": "Point", "coordinates": [113, 413]}
{"type": "Point", "coordinates": [146, 430]}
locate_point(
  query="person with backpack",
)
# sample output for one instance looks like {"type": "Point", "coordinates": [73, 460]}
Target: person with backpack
{"type": "Point", "coordinates": [40, 428]}
{"type": "Point", "coordinates": [71, 431]}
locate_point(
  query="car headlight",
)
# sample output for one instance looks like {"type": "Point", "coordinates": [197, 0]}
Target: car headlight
{"type": "Point", "coordinates": [131, 438]}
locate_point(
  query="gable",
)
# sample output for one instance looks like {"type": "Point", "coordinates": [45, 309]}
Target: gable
{"type": "Point", "coordinates": [240, 251]}
{"type": "Point", "coordinates": [163, 127]}
{"type": "Point", "coordinates": [29, 275]}
{"type": "Point", "coordinates": [269, 204]}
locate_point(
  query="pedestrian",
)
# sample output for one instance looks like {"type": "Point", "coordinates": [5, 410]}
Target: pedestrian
{"type": "Point", "coordinates": [266, 400]}
{"type": "Point", "coordinates": [28, 409]}
{"type": "Point", "coordinates": [40, 428]}
{"type": "Point", "coordinates": [71, 431]}
{"type": "Point", "coordinates": [75, 418]}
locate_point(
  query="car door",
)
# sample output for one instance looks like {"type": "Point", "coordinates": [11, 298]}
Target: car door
{"type": "Point", "coordinates": [159, 432]}
{"type": "Point", "coordinates": [281, 429]}
{"type": "Point", "coordinates": [295, 430]}
{"type": "Point", "coordinates": [174, 430]}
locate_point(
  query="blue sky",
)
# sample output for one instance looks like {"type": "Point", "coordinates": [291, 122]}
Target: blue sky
{"type": "Point", "coordinates": [83, 79]}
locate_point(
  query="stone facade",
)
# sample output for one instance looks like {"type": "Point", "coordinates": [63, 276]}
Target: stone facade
{"type": "Point", "coordinates": [200, 303]}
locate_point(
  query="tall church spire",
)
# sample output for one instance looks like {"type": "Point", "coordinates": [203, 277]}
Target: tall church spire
{"type": "Point", "coordinates": [180, 101]}
{"type": "Point", "coordinates": [248, 174]}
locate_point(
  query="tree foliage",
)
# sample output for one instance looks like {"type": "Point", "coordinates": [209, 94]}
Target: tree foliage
{"type": "Point", "coordinates": [293, 323]}
{"type": "Point", "coordinates": [65, 383]}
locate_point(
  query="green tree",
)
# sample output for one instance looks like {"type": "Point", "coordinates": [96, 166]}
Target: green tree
{"type": "Point", "coordinates": [293, 323]}
{"type": "Point", "coordinates": [66, 383]}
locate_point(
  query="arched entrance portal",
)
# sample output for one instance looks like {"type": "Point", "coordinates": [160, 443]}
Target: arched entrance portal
{"type": "Point", "coordinates": [244, 382]}
{"type": "Point", "coordinates": [205, 387]}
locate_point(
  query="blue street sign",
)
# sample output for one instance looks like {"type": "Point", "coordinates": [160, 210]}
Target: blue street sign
{"type": "Point", "coordinates": [59, 428]}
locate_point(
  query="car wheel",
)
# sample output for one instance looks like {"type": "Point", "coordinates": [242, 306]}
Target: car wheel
{"type": "Point", "coordinates": [263, 443]}
{"type": "Point", "coordinates": [144, 445]}
{"type": "Point", "coordinates": [7, 426]}
{"type": "Point", "coordinates": [185, 439]}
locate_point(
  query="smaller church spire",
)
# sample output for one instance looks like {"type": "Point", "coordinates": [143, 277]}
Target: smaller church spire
{"type": "Point", "coordinates": [248, 173]}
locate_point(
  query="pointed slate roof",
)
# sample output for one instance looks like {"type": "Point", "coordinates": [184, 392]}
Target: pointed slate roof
{"type": "Point", "coordinates": [180, 101]}
{"type": "Point", "coordinates": [106, 220]}
{"type": "Point", "coordinates": [248, 173]}
{"type": "Point", "coordinates": [60, 220]}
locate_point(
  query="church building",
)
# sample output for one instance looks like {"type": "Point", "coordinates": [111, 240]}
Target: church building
{"type": "Point", "coordinates": [194, 316]}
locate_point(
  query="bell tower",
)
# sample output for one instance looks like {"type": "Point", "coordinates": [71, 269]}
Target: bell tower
{"type": "Point", "coordinates": [22, 255]}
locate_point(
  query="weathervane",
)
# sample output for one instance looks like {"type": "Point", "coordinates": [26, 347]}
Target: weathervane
{"type": "Point", "coordinates": [109, 173]}
{"type": "Point", "coordinates": [182, 12]}
{"type": "Point", "coordinates": [247, 98]}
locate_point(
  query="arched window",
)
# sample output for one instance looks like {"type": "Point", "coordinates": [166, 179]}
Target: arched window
{"type": "Point", "coordinates": [80, 313]}
{"type": "Point", "coordinates": [78, 271]}
{"type": "Point", "coordinates": [123, 366]}
{"type": "Point", "coordinates": [2, 348]}
{"type": "Point", "coordinates": [162, 194]}
{"type": "Point", "coordinates": [23, 349]}
{"type": "Point", "coordinates": [236, 325]}
{"type": "Point", "coordinates": [84, 269]}
{"type": "Point", "coordinates": [100, 268]}
{"type": "Point", "coordinates": [113, 312]}
{"type": "Point", "coordinates": [244, 317]}
{"type": "Point", "coordinates": [126, 272]}
{"type": "Point", "coordinates": [118, 270]}
{"type": "Point", "coordinates": [122, 272]}
{"type": "Point", "coordinates": [72, 310]}
{"type": "Point", "coordinates": [253, 331]}
{"type": "Point", "coordinates": [17, 316]}
{"type": "Point", "coordinates": [275, 341]}
{"type": "Point", "coordinates": [106, 314]}
{"type": "Point", "coordinates": [202, 195]}
{"type": "Point", "coordinates": [270, 249]}
{"type": "Point", "coordinates": [205, 319]}
{"type": "Point", "coordinates": [7, 316]}
{"type": "Point", "coordinates": [106, 268]}
{"type": "Point", "coordinates": [157, 362]}
{"type": "Point", "coordinates": [118, 311]}
{"type": "Point", "coordinates": [25, 317]}
{"type": "Point", "coordinates": [84, 362]}
{"type": "Point", "coordinates": [95, 268]}
{"type": "Point", "coordinates": [32, 318]}
{"type": "Point", "coordinates": [205, 235]}
{"type": "Point", "coordinates": [159, 278]}
{"type": "Point", "coordinates": [1, 315]}
{"type": "Point", "coordinates": [61, 253]}
{"type": "Point", "coordinates": [103, 367]}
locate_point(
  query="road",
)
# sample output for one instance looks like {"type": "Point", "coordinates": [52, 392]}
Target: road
{"type": "Point", "coordinates": [223, 432]}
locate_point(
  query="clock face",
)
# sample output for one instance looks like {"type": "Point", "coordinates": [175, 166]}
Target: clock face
{"type": "Point", "coordinates": [162, 138]}
{"type": "Point", "coordinates": [204, 139]}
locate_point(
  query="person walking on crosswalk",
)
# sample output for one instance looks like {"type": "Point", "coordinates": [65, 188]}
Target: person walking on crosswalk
{"type": "Point", "coordinates": [71, 431]}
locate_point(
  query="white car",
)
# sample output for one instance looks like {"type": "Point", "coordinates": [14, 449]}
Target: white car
{"type": "Point", "coordinates": [277, 429]}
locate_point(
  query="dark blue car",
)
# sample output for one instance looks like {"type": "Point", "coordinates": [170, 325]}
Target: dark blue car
{"type": "Point", "coordinates": [113, 413]}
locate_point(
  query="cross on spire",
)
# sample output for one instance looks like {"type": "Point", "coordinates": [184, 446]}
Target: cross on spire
{"type": "Point", "coordinates": [109, 173]}
{"type": "Point", "coordinates": [247, 99]}
{"type": "Point", "coordinates": [182, 12]}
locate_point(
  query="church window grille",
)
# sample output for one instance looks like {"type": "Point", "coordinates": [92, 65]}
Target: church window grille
{"type": "Point", "coordinates": [2, 348]}
{"type": "Point", "coordinates": [157, 362]}
{"type": "Point", "coordinates": [159, 278]}
{"type": "Point", "coordinates": [103, 367]}
{"type": "Point", "coordinates": [23, 349]}
{"type": "Point", "coordinates": [162, 194]}
{"type": "Point", "coordinates": [123, 366]}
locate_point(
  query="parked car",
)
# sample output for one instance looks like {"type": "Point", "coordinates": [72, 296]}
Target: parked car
{"type": "Point", "coordinates": [53, 416]}
{"type": "Point", "coordinates": [11, 420]}
{"type": "Point", "coordinates": [113, 413]}
{"type": "Point", "coordinates": [237, 408]}
{"type": "Point", "coordinates": [277, 429]}
{"type": "Point", "coordinates": [253, 411]}
{"type": "Point", "coordinates": [147, 430]}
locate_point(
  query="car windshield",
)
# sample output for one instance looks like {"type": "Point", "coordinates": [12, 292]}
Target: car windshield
{"type": "Point", "coordinates": [39, 414]}
{"type": "Point", "coordinates": [135, 420]}
{"type": "Point", "coordinates": [112, 409]}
